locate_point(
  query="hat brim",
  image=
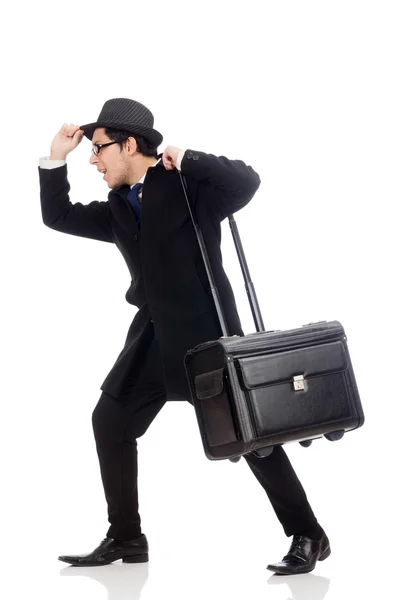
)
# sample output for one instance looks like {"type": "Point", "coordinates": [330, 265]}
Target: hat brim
{"type": "Point", "coordinates": [151, 135]}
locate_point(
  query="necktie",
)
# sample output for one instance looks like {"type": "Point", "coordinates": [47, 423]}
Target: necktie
{"type": "Point", "coordinates": [134, 201]}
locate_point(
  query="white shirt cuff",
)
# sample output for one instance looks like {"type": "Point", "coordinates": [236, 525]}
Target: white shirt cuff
{"type": "Point", "coordinates": [47, 163]}
{"type": "Point", "coordinates": [179, 159]}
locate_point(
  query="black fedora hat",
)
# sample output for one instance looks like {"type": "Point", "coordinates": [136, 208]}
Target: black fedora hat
{"type": "Point", "coordinates": [128, 115]}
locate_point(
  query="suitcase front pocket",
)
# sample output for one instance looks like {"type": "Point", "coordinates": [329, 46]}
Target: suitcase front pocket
{"type": "Point", "coordinates": [301, 389]}
{"type": "Point", "coordinates": [214, 407]}
{"type": "Point", "coordinates": [282, 367]}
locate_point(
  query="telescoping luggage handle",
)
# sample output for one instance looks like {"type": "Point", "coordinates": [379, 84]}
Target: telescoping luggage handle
{"type": "Point", "coordinates": [249, 286]}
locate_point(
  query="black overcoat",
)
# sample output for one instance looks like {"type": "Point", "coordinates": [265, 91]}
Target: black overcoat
{"type": "Point", "coordinates": [168, 279]}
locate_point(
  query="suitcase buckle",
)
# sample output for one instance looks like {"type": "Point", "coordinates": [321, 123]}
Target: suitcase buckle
{"type": "Point", "coordinates": [299, 383]}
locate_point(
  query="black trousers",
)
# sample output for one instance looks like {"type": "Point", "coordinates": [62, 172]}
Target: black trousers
{"type": "Point", "coordinates": [119, 422]}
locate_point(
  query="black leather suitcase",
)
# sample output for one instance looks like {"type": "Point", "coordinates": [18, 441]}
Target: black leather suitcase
{"type": "Point", "coordinates": [254, 392]}
{"type": "Point", "coordinates": [269, 388]}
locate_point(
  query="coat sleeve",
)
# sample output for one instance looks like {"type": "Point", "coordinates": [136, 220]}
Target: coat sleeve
{"type": "Point", "coordinates": [85, 220]}
{"type": "Point", "coordinates": [231, 183]}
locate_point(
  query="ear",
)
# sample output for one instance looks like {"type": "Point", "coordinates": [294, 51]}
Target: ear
{"type": "Point", "coordinates": [131, 146]}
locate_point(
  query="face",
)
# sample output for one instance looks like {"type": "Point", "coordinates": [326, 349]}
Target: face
{"type": "Point", "coordinates": [113, 163]}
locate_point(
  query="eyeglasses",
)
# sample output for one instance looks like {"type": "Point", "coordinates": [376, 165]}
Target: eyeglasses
{"type": "Point", "coordinates": [96, 148]}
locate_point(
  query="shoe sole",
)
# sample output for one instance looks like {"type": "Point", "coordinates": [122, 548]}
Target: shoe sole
{"type": "Point", "coordinates": [138, 558]}
{"type": "Point", "coordinates": [132, 558]}
{"type": "Point", "coordinates": [286, 571]}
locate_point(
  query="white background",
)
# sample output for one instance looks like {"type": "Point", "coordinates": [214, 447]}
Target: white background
{"type": "Point", "coordinates": [305, 92]}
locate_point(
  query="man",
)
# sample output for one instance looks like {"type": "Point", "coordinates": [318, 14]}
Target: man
{"type": "Point", "coordinates": [146, 216]}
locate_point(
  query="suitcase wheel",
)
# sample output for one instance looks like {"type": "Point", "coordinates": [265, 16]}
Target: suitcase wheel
{"type": "Point", "coordinates": [306, 443]}
{"type": "Point", "coordinates": [333, 436]}
{"type": "Point", "coordinates": [263, 452]}
{"type": "Point", "coordinates": [235, 459]}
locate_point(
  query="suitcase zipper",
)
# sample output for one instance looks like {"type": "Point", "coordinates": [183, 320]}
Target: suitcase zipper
{"type": "Point", "coordinates": [295, 341]}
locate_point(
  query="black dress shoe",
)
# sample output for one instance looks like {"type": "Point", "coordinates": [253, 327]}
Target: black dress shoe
{"type": "Point", "coordinates": [302, 555]}
{"type": "Point", "coordinates": [109, 550]}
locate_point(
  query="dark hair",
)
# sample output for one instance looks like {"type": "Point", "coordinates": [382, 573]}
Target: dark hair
{"type": "Point", "coordinates": [120, 136]}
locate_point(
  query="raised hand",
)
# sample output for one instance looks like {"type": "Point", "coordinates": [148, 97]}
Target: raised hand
{"type": "Point", "coordinates": [66, 140]}
{"type": "Point", "coordinates": [170, 156]}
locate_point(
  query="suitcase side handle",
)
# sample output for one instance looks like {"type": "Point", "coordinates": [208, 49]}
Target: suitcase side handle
{"type": "Point", "coordinates": [249, 286]}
